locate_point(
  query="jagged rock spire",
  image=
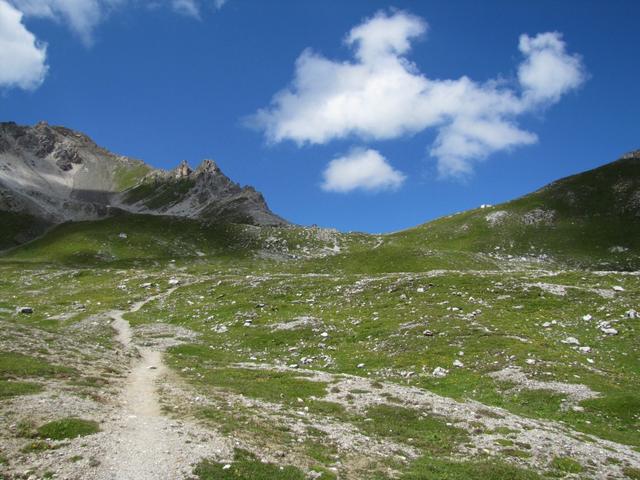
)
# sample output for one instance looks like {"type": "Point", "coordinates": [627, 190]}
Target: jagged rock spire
{"type": "Point", "coordinates": [183, 170]}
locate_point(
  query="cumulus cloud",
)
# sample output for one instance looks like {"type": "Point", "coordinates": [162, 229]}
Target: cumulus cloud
{"type": "Point", "coordinates": [22, 57]}
{"type": "Point", "coordinates": [361, 170]}
{"type": "Point", "coordinates": [381, 95]}
{"type": "Point", "coordinates": [548, 72]}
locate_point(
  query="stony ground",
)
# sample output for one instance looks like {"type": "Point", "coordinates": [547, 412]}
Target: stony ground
{"type": "Point", "coordinates": [443, 374]}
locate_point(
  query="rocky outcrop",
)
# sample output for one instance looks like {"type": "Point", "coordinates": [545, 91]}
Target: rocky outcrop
{"type": "Point", "coordinates": [204, 193]}
{"type": "Point", "coordinates": [57, 175]}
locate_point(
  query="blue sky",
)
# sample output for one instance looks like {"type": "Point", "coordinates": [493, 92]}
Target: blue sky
{"type": "Point", "coordinates": [376, 131]}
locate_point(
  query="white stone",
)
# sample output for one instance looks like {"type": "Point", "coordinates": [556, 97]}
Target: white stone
{"type": "Point", "coordinates": [587, 317]}
{"type": "Point", "coordinates": [571, 341]}
{"type": "Point", "coordinates": [631, 314]}
{"type": "Point", "coordinates": [458, 363]}
{"type": "Point", "coordinates": [617, 288]}
{"type": "Point", "coordinates": [609, 330]}
{"type": "Point", "coordinates": [123, 235]}
{"type": "Point", "coordinates": [360, 365]}
{"type": "Point", "coordinates": [440, 372]}
{"type": "Point", "coordinates": [530, 361]}
{"type": "Point", "coordinates": [585, 349]}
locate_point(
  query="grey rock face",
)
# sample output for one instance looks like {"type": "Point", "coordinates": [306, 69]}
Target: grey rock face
{"type": "Point", "coordinates": [57, 175]}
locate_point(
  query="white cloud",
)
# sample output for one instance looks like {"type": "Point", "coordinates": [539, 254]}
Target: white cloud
{"type": "Point", "coordinates": [83, 16]}
{"type": "Point", "coordinates": [189, 8]}
{"type": "Point", "coordinates": [361, 169]}
{"type": "Point", "coordinates": [22, 57]}
{"type": "Point", "coordinates": [382, 95]}
{"type": "Point", "coordinates": [548, 72]}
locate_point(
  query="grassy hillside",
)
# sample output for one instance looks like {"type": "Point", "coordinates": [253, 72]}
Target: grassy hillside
{"type": "Point", "coordinates": [127, 239]}
{"type": "Point", "coordinates": [591, 219]}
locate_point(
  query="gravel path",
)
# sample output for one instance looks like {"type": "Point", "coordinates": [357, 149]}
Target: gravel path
{"type": "Point", "coordinates": [141, 443]}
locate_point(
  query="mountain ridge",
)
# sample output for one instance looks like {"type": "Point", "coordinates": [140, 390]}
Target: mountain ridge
{"type": "Point", "coordinates": [55, 175]}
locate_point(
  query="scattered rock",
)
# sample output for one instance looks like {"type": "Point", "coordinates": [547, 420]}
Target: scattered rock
{"type": "Point", "coordinates": [440, 372]}
{"type": "Point", "coordinates": [631, 314]}
{"type": "Point", "coordinates": [571, 341]}
{"type": "Point", "coordinates": [496, 218]}
{"type": "Point", "coordinates": [26, 310]}
{"type": "Point", "coordinates": [539, 216]}
{"type": "Point", "coordinates": [617, 288]}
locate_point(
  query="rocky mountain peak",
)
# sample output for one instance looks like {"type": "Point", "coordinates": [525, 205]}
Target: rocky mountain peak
{"type": "Point", "coordinates": [183, 170]}
{"type": "Point", "coordinates": [208, 166]}
{"type": "Point", "coordinates": [56, 174]}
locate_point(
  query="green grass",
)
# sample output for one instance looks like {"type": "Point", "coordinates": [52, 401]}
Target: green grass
{"type": "Point", "coordinates": [16, 365]}
{"type": "Point", "coordinates": [158, 194]}
{"type": "Point", "coordinates": [246, 466]}
{"type": "Point", "coordinates": [130, 175]}
{"type": "Point", "coordinates": [14, 389]}
{"type": "Point", "coordinates": [263, 384]}
{"type": "Point", "coordinates": [433, 468]}
{"type": "Point", "coordinates": [67, 428]}
{"type": "Point", "coordinates": [566, 465]}
{"type": "Point", "coordinates": [429, 433]}
{"type": "Point", "coordinates": [150, 238]}
{"type": "Point", "coordinates": [632, 473]}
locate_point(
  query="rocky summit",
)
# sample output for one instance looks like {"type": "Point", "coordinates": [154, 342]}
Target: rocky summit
{"type": "Point", "coordinates": [55, 175]}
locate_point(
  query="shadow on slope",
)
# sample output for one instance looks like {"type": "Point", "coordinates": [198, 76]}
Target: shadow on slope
{"type": "Point", "coordinates": [126, 240]}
